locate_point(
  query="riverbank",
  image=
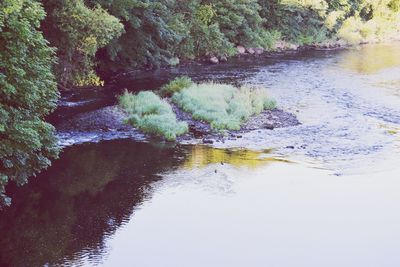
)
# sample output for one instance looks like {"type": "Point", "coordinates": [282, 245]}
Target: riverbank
{"type": "Point", "coordinates": [281, 48]}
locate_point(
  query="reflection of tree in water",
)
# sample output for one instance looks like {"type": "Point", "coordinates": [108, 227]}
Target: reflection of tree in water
{"type": "Point", "coordinates": [84, 197]}
{"type": "Point", "coordinates": [91, 191]}
{"type": "Point", "coordinates": [371, 59]}
{"type": "Point", "coordinates": [202, 156]}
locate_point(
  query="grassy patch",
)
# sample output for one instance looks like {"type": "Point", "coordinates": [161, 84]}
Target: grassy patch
{"type": "Point", "coordinates": [151, 114]}
{"type": "Point", "coordinates": [176, 85]}
{"type": "Point", "coordinates": [223, 106]}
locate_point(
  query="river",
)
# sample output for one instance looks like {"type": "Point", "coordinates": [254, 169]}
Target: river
{"type": "Point", "coordinates": [324, 193]}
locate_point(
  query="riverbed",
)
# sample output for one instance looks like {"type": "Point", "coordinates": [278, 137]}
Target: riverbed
{"type": "Point", "coordinates": [322, 193]}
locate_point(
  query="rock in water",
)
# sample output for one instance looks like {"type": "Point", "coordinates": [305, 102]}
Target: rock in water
{"type": "Point", "coordinates": [207, 141]}
{"type": "Point", "coordinates": [214, 60]}
{"type": "Point", "coordinates": [269, 126]}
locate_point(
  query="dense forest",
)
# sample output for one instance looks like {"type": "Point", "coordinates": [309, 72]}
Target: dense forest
{"type": "Point", "coordinates": [81, 42]}
{"type": "Point", "coordinates": [104, 36]}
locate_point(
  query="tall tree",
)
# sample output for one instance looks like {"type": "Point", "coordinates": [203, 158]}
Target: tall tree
{"type": "Point", "coordinates": [28, 92]}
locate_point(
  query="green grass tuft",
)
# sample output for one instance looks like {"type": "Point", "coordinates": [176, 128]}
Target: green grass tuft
{"type": "Point", "coordinates": [148, 112]}
{"type": "Point", "coordinates": [176, 85]}
{"type": "Point", "coordinates": [223, 106]}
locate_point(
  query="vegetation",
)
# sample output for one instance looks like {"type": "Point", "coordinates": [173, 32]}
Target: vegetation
{"type": "Point", "coordinates": [27, 93]}
{"type": "Point", "coordinates": [223, 106]}
{"type": "Point", "coordinates": [376, 20]}
{"type": "Point", "coordinates": [151, 114]}
{"type": "Point", "coordinates": [176, 85]}
{"type": "Point", "coordinates": [78, 32]}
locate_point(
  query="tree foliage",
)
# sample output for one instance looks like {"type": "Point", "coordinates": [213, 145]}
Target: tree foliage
{"type": "Point", "coordinates": [156, 32]}
{"type": "Point", "coordinates": [147, 39]}
{"type": "Point", "coordinates": [78, 32]}
{"type": "Point", "coordinates": [108, 36]}
{"type": "Point", "coordinates": [27, 93]}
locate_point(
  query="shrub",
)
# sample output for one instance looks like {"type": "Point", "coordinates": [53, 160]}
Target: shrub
{"type": "Point", "coordinates": [333, 18]}
{"type": "Point", "coordinates": [267, 39]}
{"type": "Point", "coordinates": [176, 85]}
{"type": "Point", "coordinates": [350, 30]}
{"type": "Point", "coordinates": [210, 40]}
{"type": "Point", "coordinates": [223, 106]}
{"type": "Point", "coordinates": [151, 114]}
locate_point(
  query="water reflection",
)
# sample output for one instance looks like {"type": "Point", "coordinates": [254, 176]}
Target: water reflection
{"type": "Point", "coordinates": [371, 58]}
{"type": "Point", "coordinates": [67, 213]}
{"type": "Point", "coordinates": [202, 156]}
{"type": "Point", "coordinates": [91, 191]}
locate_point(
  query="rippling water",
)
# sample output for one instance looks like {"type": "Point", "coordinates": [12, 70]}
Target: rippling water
{"type": "Point", "coordinates": [324, 193]}
{"type": "Point", "coordinates": [348, 104]}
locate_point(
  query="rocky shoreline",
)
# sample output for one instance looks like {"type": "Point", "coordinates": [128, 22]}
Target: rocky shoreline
{"type": "Point", "coordinates": [202, 131]}
{"type": "Point", "coordinates": [279, 47]}
{"type": "Point", "coordinates": [109, 123]}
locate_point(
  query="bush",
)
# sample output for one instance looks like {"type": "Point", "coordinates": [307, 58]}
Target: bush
{"type": "Point", "coordinates": [176, 85]}
{"type": "Point", "coordinates": [268, 39]}
{"type": "Point", "coordinates": [209, 40]}
{"type": "Point", "coordinates": [223, 106]}
{"type": "Point", "coordinates": [151, 114]}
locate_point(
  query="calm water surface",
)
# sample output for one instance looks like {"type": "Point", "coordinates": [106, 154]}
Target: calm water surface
{"type": "Point", "coordinates": [325, 193]}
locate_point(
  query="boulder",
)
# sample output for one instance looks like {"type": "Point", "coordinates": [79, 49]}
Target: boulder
{"type": "Point", "coordinates": [280, 45]}
{"type": "Point", "coordinates": [241, 50]}
{"type": "Point", "coordinates": [223, 59]}
{"type": "Point", "coordinates": [258, 50]}
{"type": "Point", "coordinates": [208, 141]}
{"type": "Point", "coordinates": [174, 61]}
{"type": "Point", "coordinates": [341, 43]}
{"type": "Point", "coordinates": [213, 60]}
{"type": "Point", "coordinates": [250, 51]}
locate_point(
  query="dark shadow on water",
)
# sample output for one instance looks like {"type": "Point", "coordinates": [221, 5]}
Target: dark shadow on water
{"type": "Point", "coordinates": [83, 198]}
{"type": "Point", "coordinates": [66, 214]}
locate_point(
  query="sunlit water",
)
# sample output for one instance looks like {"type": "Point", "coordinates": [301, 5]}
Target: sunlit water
{"type": "Point", "coordinates": [324, 193]}
{"type": "Point", "coordinates": [348, 104]}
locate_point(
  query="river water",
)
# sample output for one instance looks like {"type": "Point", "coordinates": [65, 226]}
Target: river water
{"type": "Point", "coordinates": [324, 193]}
